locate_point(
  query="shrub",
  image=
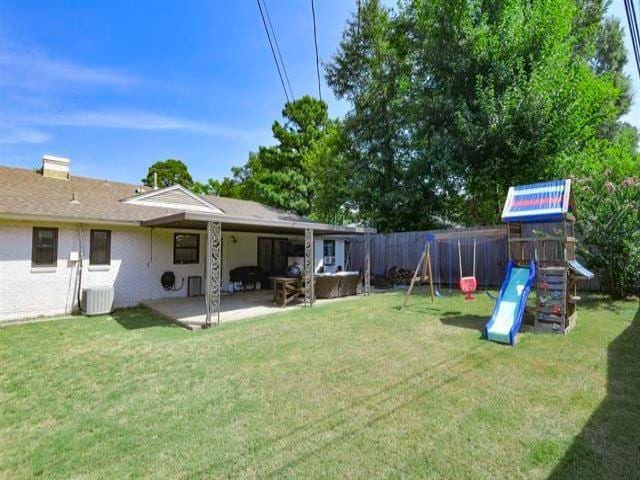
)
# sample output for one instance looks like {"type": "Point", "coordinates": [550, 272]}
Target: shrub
{"type": "Point", "coordinates": [609, 226]}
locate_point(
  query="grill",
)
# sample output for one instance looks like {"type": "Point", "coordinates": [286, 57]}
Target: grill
{"type": "Point", "coordinates": [294, 271]}
{"type": "Point", "coordinates": [247, 276]}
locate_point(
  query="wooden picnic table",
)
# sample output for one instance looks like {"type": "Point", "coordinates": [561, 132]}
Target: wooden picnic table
{"type": "Point", "coordinates": [285, 290]}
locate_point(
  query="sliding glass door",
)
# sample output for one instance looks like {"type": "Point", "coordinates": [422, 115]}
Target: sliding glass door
{"type": "Point", "coordinates": [272, 256]}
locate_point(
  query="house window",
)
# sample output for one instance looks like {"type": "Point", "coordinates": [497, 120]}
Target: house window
{"type": "Point", "coordinates": [186, 248]}
{"type": "Point", "coordinates": [44, 251]}
{"type": "Point", "coordinates": [329, 253]}
{"type": "Point", "coordinates": [100, 247]}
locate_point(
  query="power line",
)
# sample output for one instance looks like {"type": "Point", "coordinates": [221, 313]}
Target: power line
{"type": "Point", "coordinates": [275, 59]}
{"type": "Point", "coordinates": [275, 40]}
{"type": "Point", "coordinates": [315, 41]}
{"type": "Point", "coordinates": [633, 30]}
{"type": "Point", "coordinates": [635, 22]}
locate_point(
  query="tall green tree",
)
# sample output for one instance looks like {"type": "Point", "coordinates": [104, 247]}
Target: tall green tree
{"type": "Point", "coordinates": [169, 172]}
{"type": "Point", "coordinates": [302, 173]}
{"type": "Point", "coordinates": [227, 187]}
{"type": "Point", "coordinates": [329, 171]}
{"type": "Point", "coordinates": [388, 187]}
{"type": "Point", "coordinates": [453, 101]}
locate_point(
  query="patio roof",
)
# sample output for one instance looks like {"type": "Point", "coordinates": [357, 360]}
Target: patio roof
{"type": "Point", "coordinates": [198, 220]}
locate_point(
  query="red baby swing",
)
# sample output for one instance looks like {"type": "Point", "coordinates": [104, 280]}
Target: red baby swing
{"type": "Point", "coordinates": [468, 285]}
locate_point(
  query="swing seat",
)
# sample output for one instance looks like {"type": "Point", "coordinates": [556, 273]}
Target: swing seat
{"type": "Point", "coordinates": [468, 285]}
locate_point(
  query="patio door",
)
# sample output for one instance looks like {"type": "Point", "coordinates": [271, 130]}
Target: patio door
{"type": "Point", "coordinates": [272, 256]}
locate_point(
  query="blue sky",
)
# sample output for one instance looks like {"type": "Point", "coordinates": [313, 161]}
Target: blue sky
{"type": "Point", "coordinates": [118, 85]}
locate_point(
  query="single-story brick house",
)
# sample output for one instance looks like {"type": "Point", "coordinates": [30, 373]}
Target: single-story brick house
{"type": "Point", "coordinates": [60, 234]}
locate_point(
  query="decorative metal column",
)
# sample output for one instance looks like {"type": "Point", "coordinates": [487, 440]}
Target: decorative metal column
{"type": "Point", "coordinates": [309, 267]}
{"type": "Point", "coordinates": [213, 263]}
{"type": "Point", "coordinates": [367, 265]}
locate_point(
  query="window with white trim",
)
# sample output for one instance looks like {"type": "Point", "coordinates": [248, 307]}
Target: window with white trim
{"type": "Point", "coordinates": [186, 248]}
{"type": "Point", "coordinates": [329, 253]}
{"type": "Point", "coordinates": [100, 247]}
{"type": "Point", "coordinates": [44, 248]}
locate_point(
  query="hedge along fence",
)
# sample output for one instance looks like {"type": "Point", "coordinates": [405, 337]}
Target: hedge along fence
{"type": "Point", "coordinates": [403, 250]}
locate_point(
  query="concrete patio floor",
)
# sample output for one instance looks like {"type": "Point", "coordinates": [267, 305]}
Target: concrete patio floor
{"type": "Point", "coordinates": [190, 311]}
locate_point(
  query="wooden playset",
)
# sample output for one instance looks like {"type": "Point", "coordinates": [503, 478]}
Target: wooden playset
{"type": "Point", "coordinates": [541, 244]}
{"type": "Point", "coordinates": [541, 220]}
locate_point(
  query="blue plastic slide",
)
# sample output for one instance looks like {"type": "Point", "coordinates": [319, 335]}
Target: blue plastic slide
{"type": "Point", "coordinates": [509, 310]}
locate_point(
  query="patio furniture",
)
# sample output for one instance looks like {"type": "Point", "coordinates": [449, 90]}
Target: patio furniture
{"type": "Point", "coordinates": [327, 285]}
{"type": "Point", "coordinates": [248, 276]}
{"type": "Point", "coordinates": [349, 282]}
{"type": "Point", "coordinates": [286, 290]}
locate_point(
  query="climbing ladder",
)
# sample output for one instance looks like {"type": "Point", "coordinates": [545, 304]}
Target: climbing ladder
{"type": "Point", "coordinates": [551, 308]}
{"type": "Point", "coordinates": [555, 308]}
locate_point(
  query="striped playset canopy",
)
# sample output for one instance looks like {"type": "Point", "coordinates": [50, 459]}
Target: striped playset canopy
{"type": "Point", "coordinates": [539, 202]}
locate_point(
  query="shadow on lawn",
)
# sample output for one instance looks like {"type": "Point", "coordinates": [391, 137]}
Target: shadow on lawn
{"type": "Point", "coordinates": [609, 444]}
{"type": "Point", "coordinates": [344, 423]}
{"type": "Point", "coordinates": [454, 318]}
{"type": "Point", "coordinates": [474, 322]}
{"type": "Point", "coordinates": [425, 309]}
{"type": "Point", "coordinates": [134, 319]}
{"type": "Point", "coordinates": [592, 301]}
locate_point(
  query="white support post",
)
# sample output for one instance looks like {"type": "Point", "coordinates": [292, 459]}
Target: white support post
{"type": "Point", "coordinates": [309, 267]}
{"type": "Point", "coordinates": [213, 261]}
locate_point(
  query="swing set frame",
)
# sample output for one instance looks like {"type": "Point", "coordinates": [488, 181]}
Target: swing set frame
{"type": "Point", "coordinates": [426, 272]}
{"type": "Point", "coordinates": [424, 268]}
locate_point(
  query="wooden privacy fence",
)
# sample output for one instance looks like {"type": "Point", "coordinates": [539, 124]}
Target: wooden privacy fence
{"type": "Point", "coordinates": [403, 249]}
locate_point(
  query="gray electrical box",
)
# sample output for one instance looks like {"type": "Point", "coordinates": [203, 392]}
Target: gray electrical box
{"type": "Point", "coordinates": [194, 286]}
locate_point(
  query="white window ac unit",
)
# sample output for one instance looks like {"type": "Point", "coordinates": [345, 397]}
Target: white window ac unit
{"type": "Point", "coordinates": [97, 300]}
{"type": "Point", "coordinates": [329, 261]}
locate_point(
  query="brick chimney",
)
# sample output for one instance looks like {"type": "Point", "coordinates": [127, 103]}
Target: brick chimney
{"type": "Point", "coordinates": [55, 167]}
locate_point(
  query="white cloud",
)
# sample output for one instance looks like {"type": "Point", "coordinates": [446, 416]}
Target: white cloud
{"type": "Point", "coordinates": [35, 70]}
{"type": "Point", "coordinates": [36, 85]}
{"type": "Point", "coordinates": [17, 135]}
{"type": "Point", "coordinates": [132, 120]}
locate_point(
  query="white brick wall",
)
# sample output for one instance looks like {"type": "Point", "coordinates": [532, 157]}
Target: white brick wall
{"type": "Point", "coordinates": [26, 293]}
{"type": "Point", "coordinates": [139, 256]}
{"type": "Point", "coordinates": [319, 254]}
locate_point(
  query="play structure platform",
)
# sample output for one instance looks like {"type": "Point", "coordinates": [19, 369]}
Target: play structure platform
{"type": "Point", "coordinates": [542, 254]}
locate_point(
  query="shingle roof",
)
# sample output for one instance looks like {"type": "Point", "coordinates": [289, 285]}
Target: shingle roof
{"type": "Point", "coordinates": [27, 193]}
{"type": "Point", "coordinates": [249, 209]}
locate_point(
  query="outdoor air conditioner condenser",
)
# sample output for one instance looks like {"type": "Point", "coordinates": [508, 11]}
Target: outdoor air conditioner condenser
{"type": "Point", "coordinates": [97, 300]}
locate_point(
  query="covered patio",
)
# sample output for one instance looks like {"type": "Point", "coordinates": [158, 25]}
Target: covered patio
{"type": "Point", "coordinates": [191, 312]}
{"type": "Point", "coordinates": [216, 307]}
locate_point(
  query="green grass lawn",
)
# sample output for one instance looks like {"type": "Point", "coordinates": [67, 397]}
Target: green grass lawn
{"type": "Point", "coordinates": [350, 389]}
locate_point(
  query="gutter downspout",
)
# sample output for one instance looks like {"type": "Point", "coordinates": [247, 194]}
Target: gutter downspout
{"type": "Point", "coordinates": [79, 267]}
